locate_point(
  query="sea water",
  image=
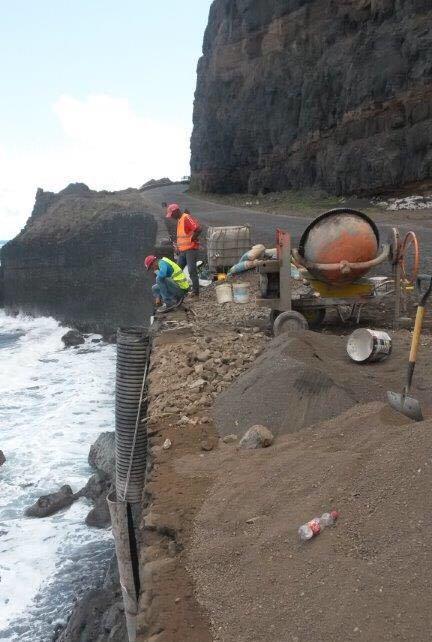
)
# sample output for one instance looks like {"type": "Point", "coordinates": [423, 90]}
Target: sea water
{"type": "Point", "coordinates": [54, 402]}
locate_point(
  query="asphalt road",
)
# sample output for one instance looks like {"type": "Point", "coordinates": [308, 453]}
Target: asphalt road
{"type": "Point", "coordinates": [264, 225]}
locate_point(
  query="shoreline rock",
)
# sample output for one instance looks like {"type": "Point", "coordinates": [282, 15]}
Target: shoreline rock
{"type": "Point", "coordinates": [50, 504]}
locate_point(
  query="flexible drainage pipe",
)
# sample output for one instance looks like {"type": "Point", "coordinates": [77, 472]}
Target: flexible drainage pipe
{"type": "Point", "coordinates": [131, 429]}
{"type": "Point", "coordinates": [131, 455]}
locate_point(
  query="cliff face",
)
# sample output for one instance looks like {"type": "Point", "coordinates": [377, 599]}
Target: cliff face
{"type": "Point", "coordinates": [335, 94]}
{"type": "Point", "coordinates": [80, 259]}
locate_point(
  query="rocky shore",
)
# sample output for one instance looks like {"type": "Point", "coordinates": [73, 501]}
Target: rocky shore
{"type": "Point", "coordinates": [99, 614]}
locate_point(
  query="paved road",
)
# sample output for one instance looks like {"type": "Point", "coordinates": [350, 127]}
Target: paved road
{"type": "Point", "coordinates": [264, 225]}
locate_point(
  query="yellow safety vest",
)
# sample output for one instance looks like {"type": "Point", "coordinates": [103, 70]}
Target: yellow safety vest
{"type": "Point", "coordinates": [178, 276]}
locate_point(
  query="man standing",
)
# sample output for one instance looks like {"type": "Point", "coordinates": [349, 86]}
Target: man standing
{"type": "Point", "coordinates": [187, 245]}
{"type": "Point", "coordinates": [171, 283]}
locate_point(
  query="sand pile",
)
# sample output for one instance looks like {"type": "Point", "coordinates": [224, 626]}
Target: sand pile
{"type": "Point", "coordinates": [367, 578]}
{"type": "Point", "coordinates": [301, 380]}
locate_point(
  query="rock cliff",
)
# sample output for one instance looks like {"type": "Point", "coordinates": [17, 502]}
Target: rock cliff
{"type": "Point", "coordinates": [80, 258]}
{"type": "Point", "coordinates": [335, 94]}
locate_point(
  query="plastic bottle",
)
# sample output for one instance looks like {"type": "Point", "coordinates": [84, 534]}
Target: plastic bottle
{"type": "Point", "coordinates": [316, 525]}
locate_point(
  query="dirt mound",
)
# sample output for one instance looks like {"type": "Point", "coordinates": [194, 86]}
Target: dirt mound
{"type": "Point", "coordinates": [301, 380]}
{"type": "Point", "coordinates": [367, 578]}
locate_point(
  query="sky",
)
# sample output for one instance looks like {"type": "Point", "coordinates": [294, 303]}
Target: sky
{"type": "Point", "coordinates": [95, 91]}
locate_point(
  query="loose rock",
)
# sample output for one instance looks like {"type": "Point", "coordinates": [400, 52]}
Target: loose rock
{"type": "Point", "coordinates": [2, 458]}
{"type": "Point", "coordinates": [167, 445]}
{"type": "Point", "coordinates": [257, 437]}
{"type": "Point", "coordinates": [230, 439]}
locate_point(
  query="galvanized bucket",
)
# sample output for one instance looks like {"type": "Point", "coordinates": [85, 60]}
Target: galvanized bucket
{"type": "Point", "coordinates": [367, 346]}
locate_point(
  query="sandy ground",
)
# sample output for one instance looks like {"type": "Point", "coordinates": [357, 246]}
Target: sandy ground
{"type": "Point", "coordinates": [366, 578]}
{"type": "Point", "coordinates": [222, 560]}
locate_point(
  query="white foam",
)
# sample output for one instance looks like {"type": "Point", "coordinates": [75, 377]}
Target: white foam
{"type": "Point", "coordinates": [53, 404]}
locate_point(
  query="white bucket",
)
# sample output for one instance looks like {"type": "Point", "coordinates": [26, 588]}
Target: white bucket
{"type": "Point", "coordinates": [224, 293]}
{"type": "Point", "coordinates": [366, 346]}
{"type": "Point", "coordinates": [241, 292]}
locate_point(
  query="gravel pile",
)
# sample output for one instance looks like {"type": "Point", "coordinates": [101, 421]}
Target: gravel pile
{"type": "Point", "coordinates": [203, 352]}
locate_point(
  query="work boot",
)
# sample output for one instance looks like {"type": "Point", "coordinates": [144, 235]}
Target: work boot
{"type": "Point", "coordinates": [165, 308]}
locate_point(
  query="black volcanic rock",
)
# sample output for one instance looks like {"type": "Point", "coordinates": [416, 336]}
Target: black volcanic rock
{"type": "Point", "coordinates": [73, 338]}
{"type": "Point", "coordinates": [50, 504]}
{"type": "Point", "coordinates": [322, 93]}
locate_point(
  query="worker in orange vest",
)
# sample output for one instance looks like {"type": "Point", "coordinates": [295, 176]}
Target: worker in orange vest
{"type": "Point", "coordinates": [187, 245]}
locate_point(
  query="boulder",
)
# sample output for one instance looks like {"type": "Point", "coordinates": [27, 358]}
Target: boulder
{"type": "Point", "coordinates": [98, 484]}
{"type": "Point", "coordinates": [2, 458]}
{"type": "Point", "coordinates": [99, 516]}
{"type": "Point", "coordinates": [256, 437]}
{"type": "Point", "coordinates": [102, 454]}
{"type": "Point", "coordinates": [73, 338]}
{"type": "Point", "coordinates": [52, 503]}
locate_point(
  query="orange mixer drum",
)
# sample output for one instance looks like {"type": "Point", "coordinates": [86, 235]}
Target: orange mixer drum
{"type": "Point", "coordinates": [339, 238]}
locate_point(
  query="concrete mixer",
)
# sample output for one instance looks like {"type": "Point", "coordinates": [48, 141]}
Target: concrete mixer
{"type": "Point", "coordinates": [335, 253]}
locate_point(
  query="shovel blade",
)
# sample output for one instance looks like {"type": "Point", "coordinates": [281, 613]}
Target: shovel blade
{"type": "Point", "coordinates": [408, 406]}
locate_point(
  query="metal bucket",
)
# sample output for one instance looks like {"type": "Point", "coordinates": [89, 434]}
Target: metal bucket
{"type": "Point", "coordinates": [224, 293]}
{"type": "Point", "coordinates": [340, 246]}
{"type": "Point", "coordinates": [367, 346]}
{"type": "Point", "coordinates": [241, 292]}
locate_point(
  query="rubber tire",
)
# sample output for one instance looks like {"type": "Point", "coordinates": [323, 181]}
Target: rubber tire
{"type": "Point", "coordinates": [288, 322]}
{"type": "Point", "coordinates": [317, 321]}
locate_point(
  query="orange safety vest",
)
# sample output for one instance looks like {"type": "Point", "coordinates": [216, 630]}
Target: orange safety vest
{"type": "Point", "coordinates": [184, 241]}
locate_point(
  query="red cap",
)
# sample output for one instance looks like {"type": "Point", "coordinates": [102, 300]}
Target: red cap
{"type": "Point", "coordinates": [172, 209]}
{"type": "Point", "coordinates": [149, 260]}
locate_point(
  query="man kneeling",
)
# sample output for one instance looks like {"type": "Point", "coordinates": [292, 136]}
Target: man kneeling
{"type": "Point", "coordinates": [171, 284]}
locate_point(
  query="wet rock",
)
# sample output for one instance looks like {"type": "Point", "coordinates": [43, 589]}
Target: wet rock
{"type": "Point", "coordinates": [257, 437]}
{"type": "Point", "coordinates": [52, 503]}
{"type": "Point", "coordinates": [102, 454]}
{"type": "Point", "coordinates": [2, 458]}
{"type": "Point", "coordinates": [73, 338]}
{"type": "Point", "coordinates": [87, 621]}
{"type": "Point", "coordinates": [98, 484]}
{"type": "Point", "coordinates": [99, 516]}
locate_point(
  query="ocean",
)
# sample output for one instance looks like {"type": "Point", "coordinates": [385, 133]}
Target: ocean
{"type": "Point", "coordinates": [53, 405]}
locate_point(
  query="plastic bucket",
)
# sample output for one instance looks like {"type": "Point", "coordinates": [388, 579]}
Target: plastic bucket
{"type": "Point", "coordinates": [241, 292]}
{"type": "Point", "coordinates": [367, 346]}
{"type": "Point", "coordinates": [224, 293]}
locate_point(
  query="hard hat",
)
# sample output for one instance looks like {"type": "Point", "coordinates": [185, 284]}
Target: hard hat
{"type": "Point", "coordinates": [172, 209]}
{"type": "Point", "coordinates": [149, 260]}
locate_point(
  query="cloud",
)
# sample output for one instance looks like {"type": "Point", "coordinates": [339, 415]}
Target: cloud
{"type": "Point", "coordinates": [103, 142]}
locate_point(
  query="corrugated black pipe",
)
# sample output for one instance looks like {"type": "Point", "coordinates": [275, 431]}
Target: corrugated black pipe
{"type": "Point", "coordinates": [131, 429]}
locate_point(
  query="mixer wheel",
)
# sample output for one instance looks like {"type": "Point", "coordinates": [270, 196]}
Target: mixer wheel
{"type": "Point", "coordinates": [315, 317]}
{"type": "Point", "coordinates": [288, 322]}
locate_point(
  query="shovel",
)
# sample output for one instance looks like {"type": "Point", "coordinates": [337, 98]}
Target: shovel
{"type": "Point", "coordinates": [403, 403]}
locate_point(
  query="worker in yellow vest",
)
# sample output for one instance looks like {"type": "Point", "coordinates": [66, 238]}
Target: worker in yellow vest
{"type": "Point", "coordinates": [187, 245]}
{"type": "Point", "coordinates": [171, 285]}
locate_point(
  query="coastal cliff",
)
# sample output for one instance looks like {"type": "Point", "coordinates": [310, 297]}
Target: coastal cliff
{"type": "Point", "coordinates": [80, 259]}
{"type": "Point", "coordinates": [312, 93]}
